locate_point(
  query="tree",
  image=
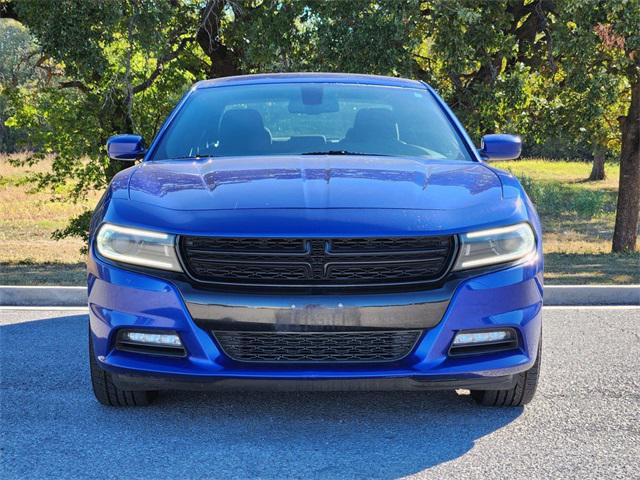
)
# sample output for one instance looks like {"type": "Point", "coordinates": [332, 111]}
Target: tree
{"type": "Point", "coordinates": [116, 67]}
{"type": "Point", "coordinates": [20, 65]}
{"type": "Point", "coordinates": [482, 57]}
{"type": "Point", "coordinates": [551, 70]}
{"type": "Point", "coordinates": [592, 96]}
{"type": "Point", "coordinates": [357, 36]}
{"type": "Point", "coordinates": [604, 38]}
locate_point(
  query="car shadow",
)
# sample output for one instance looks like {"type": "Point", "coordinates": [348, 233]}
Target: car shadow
{"type": "Point", "coordinates": [52, 425]}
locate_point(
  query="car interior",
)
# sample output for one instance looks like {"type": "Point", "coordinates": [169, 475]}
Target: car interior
{"type": "Point", "coordinates": [242, 132]}
{"type": "Point", "coordinates": [304, 120]}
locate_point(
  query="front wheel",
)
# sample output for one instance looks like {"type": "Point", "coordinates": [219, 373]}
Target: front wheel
{"type": "Point", "coordinates": [107, 393]}
{"type": "Point", "coordinates": [521, 393]}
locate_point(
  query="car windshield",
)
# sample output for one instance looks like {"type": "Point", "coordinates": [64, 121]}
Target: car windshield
{"type": "Point", "coordinates": [312, 119]}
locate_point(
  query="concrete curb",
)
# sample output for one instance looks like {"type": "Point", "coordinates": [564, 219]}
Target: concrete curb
{"type": "Point", "coordinates": [569, 295]}
{"type": "Point", "coordinates": [43, 296]}
{"type": "Point", "coordinates": [592, 295]}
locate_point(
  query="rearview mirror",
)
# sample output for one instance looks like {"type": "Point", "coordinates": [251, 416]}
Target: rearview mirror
{"type": "Point", "coordinates": [500, 146]}
{"type": "Point", "coordinates": [313, 101]}
{"type": "Point", "coordinates": [126, 147]}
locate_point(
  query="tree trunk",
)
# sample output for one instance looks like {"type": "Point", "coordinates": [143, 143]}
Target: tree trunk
{"type": "Point", "coordinates": [224, 61]}
{"type": "Point", "coordinates": [625, 233]}
{"type": "Point", "coordinates": [597, 171]}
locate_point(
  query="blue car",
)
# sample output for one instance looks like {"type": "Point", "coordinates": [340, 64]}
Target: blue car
{"type": "Point", "coordinates": [314, 231]}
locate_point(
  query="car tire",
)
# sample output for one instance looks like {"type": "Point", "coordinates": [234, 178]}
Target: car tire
{"type": "Point", "coordinates": [521, 393]}
{"type": "Point", "coordinates": [107, 393]}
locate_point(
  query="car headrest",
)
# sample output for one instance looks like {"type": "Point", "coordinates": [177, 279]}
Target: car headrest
{"type": "Point", "coordinates": [242, 130]}
{"type": "Point", "coordinates": [374, 124]}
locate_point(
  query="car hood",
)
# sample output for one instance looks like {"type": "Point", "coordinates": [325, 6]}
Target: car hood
{"type": "Point", "coordinates": [314, 182]}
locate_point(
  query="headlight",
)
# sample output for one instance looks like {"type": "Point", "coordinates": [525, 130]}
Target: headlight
{"type": "Point", "coordinates": [496, 245]}
{"type": "Point", "coordinates": [138, 247]}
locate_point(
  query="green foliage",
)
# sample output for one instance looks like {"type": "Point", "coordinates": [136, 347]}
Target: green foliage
{"type": "Point", "coordinates": [77, 227]}
{"type": "Point", "coordinates": [364, 36]}
{"type": "Point", "coordinates": [101, 90]}
{"type": "Point", "coordinates": [357, 36]}
{"type": "Point", "coordinates": [486, 52]}
{"type": "Point", "coordinates": [17, 68]}
{"type": "Point", "coordinates": [589, 96]}
{"type": "Point", "coordinates": [17, 65]}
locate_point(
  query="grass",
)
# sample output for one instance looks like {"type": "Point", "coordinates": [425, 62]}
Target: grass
{"type": "Point", "coordinates": [577, 217]}
{"type": "Point", "coordinates": [585, 268]}
{"type": "Point", "coordinates": [28, 254]}
{"type": "Point", "coordinates": [54, 273]}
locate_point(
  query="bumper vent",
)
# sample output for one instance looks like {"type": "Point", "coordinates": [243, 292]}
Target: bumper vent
{"type": "Point", "coordinates": [317, 262]}
{"type": "Point", "coordinates": [337, 347]}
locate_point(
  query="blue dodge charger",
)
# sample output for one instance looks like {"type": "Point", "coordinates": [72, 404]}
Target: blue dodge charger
{"type": "Point", "coordinates": [314, 231]}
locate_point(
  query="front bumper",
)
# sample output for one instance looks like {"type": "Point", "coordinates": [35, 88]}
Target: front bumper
{"type": "Point", "coordinates": [119, 298]}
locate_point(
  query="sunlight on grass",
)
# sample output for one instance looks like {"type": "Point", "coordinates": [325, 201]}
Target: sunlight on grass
{"type": "Point", "coordinates": [562, 171]}
{"type": "Point", "coordinates": [27, 220]}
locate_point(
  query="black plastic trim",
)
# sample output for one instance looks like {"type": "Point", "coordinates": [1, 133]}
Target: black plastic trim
{"type": "Point", "coordinates": [147, 382]}
{"type": "Point", "coordinates": [266, 285]}
{"type": "Point", "coordinates": [418, 334]}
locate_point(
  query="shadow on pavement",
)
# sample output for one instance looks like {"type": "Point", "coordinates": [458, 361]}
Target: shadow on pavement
{"type": "Point", "coordinates": [51, 424]}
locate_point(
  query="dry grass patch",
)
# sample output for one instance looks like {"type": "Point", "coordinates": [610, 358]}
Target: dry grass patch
{"type": "Point", "coordinates": [43, 273]}
{"type": "Point", "coordinates": [578, 219]}
{"type": "Point", "coordinates": [28, 218]}
{"type": "Point", "coordinates": [580, 269]}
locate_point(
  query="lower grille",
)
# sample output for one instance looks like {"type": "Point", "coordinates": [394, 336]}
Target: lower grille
{"type": "Point", "coordinates": [337, 347]}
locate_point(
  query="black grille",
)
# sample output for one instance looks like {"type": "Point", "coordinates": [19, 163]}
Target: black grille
{"type": "Point", "coordinates": [328, 262]}
{"type": "Point", "coordinates": [335, 347]}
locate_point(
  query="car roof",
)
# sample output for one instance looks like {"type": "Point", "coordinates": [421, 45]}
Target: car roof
{"type": "Point", "coordinates": [310, 77]}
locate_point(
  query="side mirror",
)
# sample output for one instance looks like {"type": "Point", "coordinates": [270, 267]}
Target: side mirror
{"type": "Point", "coordinates": [500, 146]}
{"type": "Point", "coordinates": [126, 147]}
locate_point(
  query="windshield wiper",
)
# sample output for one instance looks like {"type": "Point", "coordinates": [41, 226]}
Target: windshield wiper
{"type": "Point", "coordinates": [344, 152]}
{"type": "Point", "coordinates": [191, 157]}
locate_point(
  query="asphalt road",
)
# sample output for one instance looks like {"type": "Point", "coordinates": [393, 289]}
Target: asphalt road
{"type": "Point", "coordinates": [584, 422]}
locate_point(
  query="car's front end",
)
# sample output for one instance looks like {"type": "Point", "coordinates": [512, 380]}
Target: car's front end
{"type": "Point", "coordinates": [321, 271]}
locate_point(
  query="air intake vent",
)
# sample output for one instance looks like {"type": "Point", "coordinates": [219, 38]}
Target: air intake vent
{"type": "Point", "coordinates": [336, 347]}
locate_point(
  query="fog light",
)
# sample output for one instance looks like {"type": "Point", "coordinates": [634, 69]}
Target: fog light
{"type": "Point", "coordinates": [476, 342]}
{"type": "Point", "coordinates": [152, 343]}
{"type": "Point", "coordinates": [159, 339]}
{"type": "Point", "coordinates": [470, 338]}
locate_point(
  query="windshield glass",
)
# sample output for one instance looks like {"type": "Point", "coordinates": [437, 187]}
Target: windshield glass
{"type": "Point", "coordinates": [310, 118]}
